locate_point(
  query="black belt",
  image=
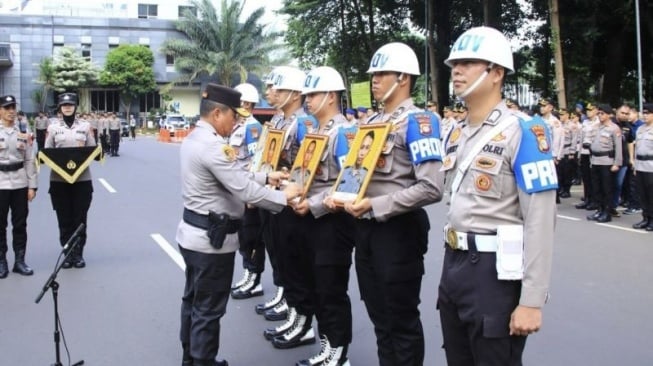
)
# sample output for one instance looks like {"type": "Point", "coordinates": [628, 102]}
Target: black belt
{"type": "Point", "coordinates": [11, 167]}
{"type": "Point", "coordinates": [568, 145]}
{"type": "Point", "coordinates": [199, 221]}
{"type": "Point", "coordinates": [603, 153]}
{"type": "Point", "coordinates": [644, 157]}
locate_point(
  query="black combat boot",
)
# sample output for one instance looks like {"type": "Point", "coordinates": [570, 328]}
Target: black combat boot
{"type": "Point", "coordinates": [20, 266]}
{"type": "Point", "coordinates": [251, 288]}
{"type": "Point", "coordinates": [78, 259]}
{"type": "Point", "coordinates": [604, 217]}
{"type": "Point", "coordinates": [4, 267]}
{"type": "Point", "coordinates": [318, 359]}
{"type": "Point", "coordinates": [299, 334]}
{"type": "Point", "coordinates": [642, 224]}
{"type": "Point", "coordinates": [278, 296]}
{"type": "Point", "coordinates": [337, 357]}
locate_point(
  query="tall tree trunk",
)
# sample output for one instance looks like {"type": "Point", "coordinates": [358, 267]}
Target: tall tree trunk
{"type": "Point", "coordinates": [492, 13]}
{"type": "Point", "coordinates": [557, 52]}
{"type": "Point", "coordinates": [430, 40]}
{"type": "Point", "coordinates": [443, 30]}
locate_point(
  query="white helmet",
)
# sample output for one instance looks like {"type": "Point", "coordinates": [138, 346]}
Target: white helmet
{"type": "Point", "coordinates": [249, 93]}
{"type": "Point", "coordinates": [288, 78]}
{"type": "Point", "coordinates": [482, 43]}
{"type": "Point", "coordinates": [396, 56]}
{"type": "Point", "coordinates": [269, 78]}
{"type": "Point", "coordinates": [323, 79]}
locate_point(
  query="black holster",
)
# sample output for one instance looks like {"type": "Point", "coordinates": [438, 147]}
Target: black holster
{"type": "Point", "coordinates": [219, 226]}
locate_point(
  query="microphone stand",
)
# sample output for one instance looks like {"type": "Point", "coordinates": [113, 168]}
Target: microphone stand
{"type": "Point", "coordinates": [52, 283]}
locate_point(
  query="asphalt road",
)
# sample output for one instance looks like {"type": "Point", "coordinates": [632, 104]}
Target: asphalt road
{"type": "Point", "coordinates": [123, 309]}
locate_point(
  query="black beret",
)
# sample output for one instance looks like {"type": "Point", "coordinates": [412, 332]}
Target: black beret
{"type": "Point", "coordinates": [604, 107]}
{"type": "Point", "coordinates": [67, 98]}
{"type": "Point", "coordinates": [226, 96]}
{"type": "Point", "coordinates": [648, 107]}
{"type": "Point", "coordinates": [7, 100]}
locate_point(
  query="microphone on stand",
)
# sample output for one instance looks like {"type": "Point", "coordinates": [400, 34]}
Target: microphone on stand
{"type": "Point", "coordinates": [77, 232]}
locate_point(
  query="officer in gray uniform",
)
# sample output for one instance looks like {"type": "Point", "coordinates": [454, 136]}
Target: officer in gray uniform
{"type": "Point", "coordinates": [589, 129]}
{"type": "Point", "coordinates": [114, 135]}
{"type": "Point", "coordinates": [644, 168]}
{"type": "Point", "coordinates": [322, 242]}
{"type": "Point", "coordinates": [41, 124]}
{"type": "Point", "coordinates": [502, 183]}
{"type": "Point", "coordinates": [71, 201]}
{"type": "Point", "coordinates": [391, 234]}
{"type": "Point", "coordinates": [567, 164]}
{"type": "Point", "coordinates": [288, 85]}
{"type": "Point", "coordinates": [214, 190]}
{"type": "Point", "coordinates": [18, 186]}
{"type": "Point", "coordinates": [607, 157]}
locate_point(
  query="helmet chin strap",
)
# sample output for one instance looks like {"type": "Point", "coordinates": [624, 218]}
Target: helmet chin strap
{"type": "Point", "coordinates": [392, 88]}
{"type": "Point", "coordinates": [322, 103]}
{"type": "Point", "coordinates": [280, 106]}
{"type": "Point", "coordinates": [478, 82]}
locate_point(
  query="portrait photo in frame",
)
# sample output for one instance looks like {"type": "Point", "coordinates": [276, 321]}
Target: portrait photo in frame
{"type": "Point", "coordinates": [307, 161]}
{"type": "Point", "coordinates": [257, 155]}
{"type": "Point", "coordinates": [274, 140]}
{"type": "Point", "coordinates": [360, 163]}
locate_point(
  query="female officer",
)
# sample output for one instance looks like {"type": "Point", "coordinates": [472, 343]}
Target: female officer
{"type": "Point", "coordinates": [71, 201]}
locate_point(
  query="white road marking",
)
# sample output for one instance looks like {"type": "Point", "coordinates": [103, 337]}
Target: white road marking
{"type": "Point", "coordinates": [170, 250]}
{"type": "Point", "coordinates": [107, 185]}
{"type": "Point", "coordinates": [569, 218]}
{"type": "Point", "coordinates": [623, 228]}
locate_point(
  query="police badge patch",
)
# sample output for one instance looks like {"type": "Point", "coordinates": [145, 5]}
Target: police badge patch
{"type": "Point", "coordinates": [540, 134]}
{"type": "Point", "coordinates": [229, 152]}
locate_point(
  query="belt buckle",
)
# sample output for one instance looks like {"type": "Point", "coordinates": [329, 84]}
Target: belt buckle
{"type": "Point", "coordinates": [452, 238]}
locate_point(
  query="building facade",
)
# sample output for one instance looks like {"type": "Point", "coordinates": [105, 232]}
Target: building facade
{"type": "Point", "coordinates": [33, 30]}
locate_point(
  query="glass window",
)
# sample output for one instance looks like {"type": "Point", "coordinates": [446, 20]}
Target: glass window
{"type": "Point", "coordinates": [148, 11]}
{"type": "Point", "coordinates": [86, 52]}
{"type": "Point", "coordinates": [170, 60]}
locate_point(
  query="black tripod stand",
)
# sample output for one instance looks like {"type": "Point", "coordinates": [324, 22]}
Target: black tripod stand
{"type": "Point", "coordinates": [52, 283]}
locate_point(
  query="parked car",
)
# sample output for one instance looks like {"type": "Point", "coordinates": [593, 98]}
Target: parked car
{"type": "Point", "coordinates": [175, 122]}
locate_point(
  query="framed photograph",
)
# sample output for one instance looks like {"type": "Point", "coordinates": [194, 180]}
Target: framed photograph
{"type": "Point", "coordinates": [360, 163]}
{"type": "Point", "coordinates": [307, 161]}
{"type": "Point", "coordinates": [271, 152]}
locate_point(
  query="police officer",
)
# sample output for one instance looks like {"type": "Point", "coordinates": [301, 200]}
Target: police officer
{"type": "Point", "coordinates": [323, 242]}
{"type": "Point", "coordinates": [607, 157]}
{"type": "Point", "coordinates": [501, 178]}
{"type": "Point", "coordinates": [391, 233]}
{"type": "Point", "coordinates": [557, 134]}
{"type": "Point", "coordinates": [644, 168]}
{"type": "Point", "coordinates": [71, 201]}
{"type": "Point", "coordinates": [114, 135]}
{"type": "Point", "coordinates": [41, 124]}
{"type": "Point", "coordinates": [103, 127]}
{"type": "Point", "coordinates": [18, 184]}
{"type": "Point", "coordinates": [588, 130]}
{"type": "Point", "coordinates": [567, 162]}
{"type": "Point", "coordinates": [244, 139]}
{"type": "Point", "coordinates": [269, 232]}
{"type": "Point", "coordinates": [288, 85]}
{"type": "Point", "coordinates": [214, 182]}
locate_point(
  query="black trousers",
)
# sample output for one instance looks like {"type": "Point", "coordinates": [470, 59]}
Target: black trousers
{"type": "Point", "coordinates": [40, 138]}
{"type": "Point", "coordinates": [104, 141]}
{"type": "Point", "coordinates": [250, 236]}
{"type": "Point", "coordinates": [114, 140]}
{"type": "Point", "coordinates": [270, 234]}
{"type": "Point", "coordinates": [71, 202]}
{"type": "Point", "coordinates": [603, 186]}
{"type": "Point", "coordinates": [390, 264]}
{"type": "Point", "coordinates": [566, 169]}
{"type": "Point", "coordinates": [645, 190]}
{"type": "Point", "coordinates": [633, 196]}
{"type": "Point", "coordinates": [586, 176]}
{"type": "Point", "coordinates": [206, 293]}
{"type": "Point", "coordinates": [16, 201]}
{"type": "Point", "coordinates": [296, 259]}
{"type": "Point", "coordinates": [475, 309]}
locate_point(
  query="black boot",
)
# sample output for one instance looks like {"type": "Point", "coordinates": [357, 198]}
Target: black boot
{"type": "Point", "coordinates": [642, 224]}
{"type": "Point", "coordinates": [299, 334]}
{"type": "Point", "coordinates": [278, 296]}
{"type": "Point", "coordinates": [251, 288]}
{"type": "Point", "coordinates": [337, 357]}
{"type": "Point", "coordinates": [20, 266]}
{"type": "Point", "coordinates": [68, 260]}
{"type": "Point", "coordinates": [78, 259]}
{"type": "Point", "coordinates": [318, 359]}
{"type": "Point", "coordinates": [595, 215]}
{"type": "Point", "coordinates": [604, 217]}
{"type": "Point", "coordinates": [186, 359]}
{"type": "Point", "coordinates": [4, 267]}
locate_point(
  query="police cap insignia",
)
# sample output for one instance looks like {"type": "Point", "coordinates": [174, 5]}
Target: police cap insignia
{"type": "Point", "coordinates": [67, 99]}
{"type": "Point", "coordinates": [545, 102]}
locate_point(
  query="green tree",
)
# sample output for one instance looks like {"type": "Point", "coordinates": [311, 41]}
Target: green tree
{"type": "Point", "coordinates": [218, 46]}
{"type": "Point", "coordinates": [73, 73]}
{"type": "Point", "coordinates": [129, 68]}
{"type": "Point", "coordinates": [46, 79]}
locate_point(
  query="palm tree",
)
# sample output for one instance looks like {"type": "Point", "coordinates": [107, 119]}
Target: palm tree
{"type": "Point", "coordinates": [47, 76]}
{"type": "Point", "coordinates": [219, 46]}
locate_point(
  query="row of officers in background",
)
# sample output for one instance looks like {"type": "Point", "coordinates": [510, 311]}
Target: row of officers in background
{"type": "Point", "coordinates": [18, 181]}
{"type": "Point", "coordinates": [494, 168]}
{"type": "Point", "coordinates": [106, 128]}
